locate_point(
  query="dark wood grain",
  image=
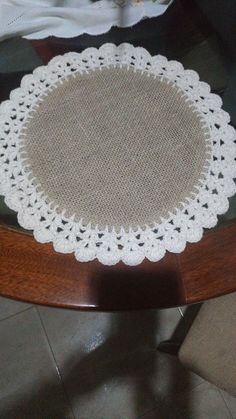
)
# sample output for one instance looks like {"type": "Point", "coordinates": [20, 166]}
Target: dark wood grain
{"type": "Point", "coordinates": [34, 272]}
{"type": "Point", "coordinates": [208, 269]}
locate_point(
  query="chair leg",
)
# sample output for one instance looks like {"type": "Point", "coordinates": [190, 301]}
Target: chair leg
{"type": "Point", "coordinates": [169, 347]}
{"type": "Point", "coordinates": [172, 345]}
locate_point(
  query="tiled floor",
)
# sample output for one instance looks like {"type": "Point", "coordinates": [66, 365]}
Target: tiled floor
{"type": "Point", "coordinates": [59, 364]}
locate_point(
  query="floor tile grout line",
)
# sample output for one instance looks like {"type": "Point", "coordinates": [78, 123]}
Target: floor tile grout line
{"type": "Point", "coordinates": [155, 407]}
{"type": "Point", "coordinates": [15, 314]}
{"type": "Point", "coordinates": [54, 358]}
{"type": "Point", "coordinates": [165, 399]}
{"type": "Point", "coordinates": [226, 404]}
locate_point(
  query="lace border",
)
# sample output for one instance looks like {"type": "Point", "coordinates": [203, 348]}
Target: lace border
{"type": "Point", "coordinates": [184, 225]}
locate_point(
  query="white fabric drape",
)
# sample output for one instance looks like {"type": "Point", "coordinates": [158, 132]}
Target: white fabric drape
{"type": "Point", "coordinates": [68, 18]}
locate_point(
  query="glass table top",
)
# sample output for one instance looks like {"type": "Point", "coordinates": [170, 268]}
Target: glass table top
{"type": "Point", "coordinates": [19, 57]}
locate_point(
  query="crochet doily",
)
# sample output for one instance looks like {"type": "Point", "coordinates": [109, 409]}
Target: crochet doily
{"type": "Point", "coordinates": [116, 155]}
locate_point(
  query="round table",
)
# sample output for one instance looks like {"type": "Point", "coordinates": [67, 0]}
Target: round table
{"type": "Point", "coordinates": [33, 272]}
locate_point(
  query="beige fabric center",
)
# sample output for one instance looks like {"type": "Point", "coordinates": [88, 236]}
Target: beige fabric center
{"type": "Point", "coordinates": [116, 147]}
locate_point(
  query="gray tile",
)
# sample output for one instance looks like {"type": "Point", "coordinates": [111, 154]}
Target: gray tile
{"type": "Point", "coordinates": [9, 307]}
{"type": "Point", "coordinates": [30, 386]}
{"type": "Point", "coordinates": [85, 331]}
{"type": "Point", "coordinates": [109, 362]}
{"type": "Point", "coordinates": [203, 402]}
{"type": "Point", "coordinates": [125, 387]}
{"type": "Point", "coordinates": [72, 332]}
{"type": "Point", "coordinates": [230, 402]}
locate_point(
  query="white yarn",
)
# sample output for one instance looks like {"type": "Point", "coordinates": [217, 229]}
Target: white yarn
{"type": "Point", "coordinates": [185, 224]}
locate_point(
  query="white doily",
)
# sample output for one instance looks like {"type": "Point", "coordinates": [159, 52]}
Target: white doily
{"type": "Point", "coordinates": [183, 224]}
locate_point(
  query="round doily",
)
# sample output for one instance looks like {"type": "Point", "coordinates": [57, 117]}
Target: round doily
{"type": "Point", "coordinates": [116, 155]}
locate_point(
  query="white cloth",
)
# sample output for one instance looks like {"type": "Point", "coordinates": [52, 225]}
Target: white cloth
{"type": "Point", "coordinates": [68, 18]}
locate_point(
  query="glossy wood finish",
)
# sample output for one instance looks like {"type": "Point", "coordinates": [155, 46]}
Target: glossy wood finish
{"type": "Point", "coordinates": [208, 268]}
{"type": "Point", "coordinates": [34, 272]}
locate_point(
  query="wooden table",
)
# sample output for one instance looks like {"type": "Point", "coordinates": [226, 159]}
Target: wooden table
{"type": "Point", "coordinates": [34, 272]}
